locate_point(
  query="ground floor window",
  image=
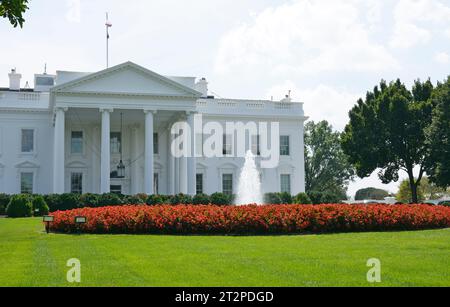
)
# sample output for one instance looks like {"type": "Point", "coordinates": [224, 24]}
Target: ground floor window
{"type": "Point", "coordinates": [227, 184]}
{"type": "Point", "coordinates": [199, 184]}
{"type": "Point", "coordinates": [76, 183]}
{"type": "Point", "coordinates": [26, 183]}
{"type": "Point", "coordinates": [156, 183]}
{"type": "Point", "coordinates": [285, 184]}
{"type": "Point", "coordinates": [116, 189]}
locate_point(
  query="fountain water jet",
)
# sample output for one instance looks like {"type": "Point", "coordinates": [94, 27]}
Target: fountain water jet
{"type": "Point", "coordinates": [249, 189]}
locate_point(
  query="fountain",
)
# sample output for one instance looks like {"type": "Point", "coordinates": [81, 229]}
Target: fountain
{"type": "Point", "coordinates": [249, 189]}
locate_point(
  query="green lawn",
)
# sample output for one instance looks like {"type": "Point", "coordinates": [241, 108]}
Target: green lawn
{"type": "Point", "coordinates": [32, 258]}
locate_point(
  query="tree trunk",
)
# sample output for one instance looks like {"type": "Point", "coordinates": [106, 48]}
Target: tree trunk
{"type": "Point", "coordinates": [413, 186]}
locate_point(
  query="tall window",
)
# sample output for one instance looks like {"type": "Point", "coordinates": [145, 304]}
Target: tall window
{"type": "Point", "coordinates": [156, 183]}
{"type": "Point", "coordinates": [227, 184]}
{"type": "Point", "coordinates": [26, 183]}
{"type": "Point", "coordinates": [116, 189]}
{"type": "Point", "coordinates": [227, 145]}
{"type": "Point", "coordinates": [285, 149]}
{"type": "Point", "coordinates": [256, 146]}
{"type": "Point", "coordinates": [76, 143]}
{"type": "Point", "coordinates": [199, 185]}
{"type": "Point", "coordinates": [76, 183]}
{"type": "Point", "coordinates": [156, 143]}
{"type": "Point", "coordinates": [116, 142]}
{"type": "Point", "coordinates": [27, 140]}
{"type": "Point", "coordinates": [285, 183]}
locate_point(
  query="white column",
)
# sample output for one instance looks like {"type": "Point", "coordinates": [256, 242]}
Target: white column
{"type": "Point", "coordinates": [134, 168]}
{"type": "Point", "coordinates": [58, 151]}
{"type": "Point", "coordinates": [171, 164]}
{"type": "Point", "coordinates": [149, 162]}
{"type": "Point", "coordinates": [96, 160]}
{"type": "Point", "coordinates": [105, 168]}
{"type": "Point", "coordinates": [191, 161]}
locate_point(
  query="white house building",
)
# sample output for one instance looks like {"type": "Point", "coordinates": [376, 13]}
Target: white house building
{"type": "Point", "coordinates": [70, 133]}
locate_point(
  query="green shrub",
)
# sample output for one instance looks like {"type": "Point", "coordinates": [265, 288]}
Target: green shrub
{"type": "Point", "coordinates": [165, 198]}
{"type": "Point", "coordinates": [272, 199]}
{"type": "Point", "coordinates": [52, 201]}
{"type": "Point", "coordinates": [142, 196]}
{"type": "Point", "coordinates": [201, 199]}
{"type": "Point", "coordinates": [154, 200]}
{"type": "Point", "coordinates": [69, 201]}
{"type": "Point", "coordinates": [40, 207]}
{"type": "Point", "coordinates": [20, 206]}
{"type": "Point", "coordinates": [221, 199]}
{"type": "Point", "coordinates": [133, 200]}
{"type": "Point", "coordinates": [4, 201]}
{"type": "Point", "coordinates": [286, 198]}
{"type": "Point", "coordinates": [302, 199]}
{"type": "Point", "coordinates": [181, 199]}
{"type": "Point", "coordinates": [89, 200]}
{"type": "Point", "coordinates": [109, 199]}
{"type": "Point", "coordinates": [324, 198]}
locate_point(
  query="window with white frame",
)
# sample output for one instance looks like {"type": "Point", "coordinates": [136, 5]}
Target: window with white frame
{"type": "Point", "coordinates": [256, 145]}
{"type": "Point", "coordinates": [156, 143]}
{"type": "Point", "coordinates": [199, 184]}
{"type": "Point", "coordinates": [26, 183]}
{"type": "Point", "coordinates": [76, 142]}
{"type": "Point", "coordinates": [116, 142]}
{"type": "Point", "coordinates": [227, 144]}
{"type": "Point", "coordinates": [227, 184]}
{"type": "Point", "coordinates": [285, 149]}
{"type": "Point", "coordinates": [285, 183]}
{"type": "Point", "coordinates": [27, 142]}
{"type": "Point", "coordinates": [156, 183]}
{"type": "Point", "coordinates": [76, 183]}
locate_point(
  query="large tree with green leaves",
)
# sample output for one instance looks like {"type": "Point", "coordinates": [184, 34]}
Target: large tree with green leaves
{"type": "Point", "coordinates": [326, 166]}
{"type": "Point", "coordinates": [387, 132]}
{"type": "Point", "coordinates": [438, 137]}
{"type": "Point", "coordinates": [13, 10]}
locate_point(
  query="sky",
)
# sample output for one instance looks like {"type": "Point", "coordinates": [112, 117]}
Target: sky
{"type": "Point", "coordinates": [328, 53]}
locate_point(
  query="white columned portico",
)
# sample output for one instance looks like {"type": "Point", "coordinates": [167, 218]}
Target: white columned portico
{"type": "Point", "coordinates": [58, 151]}
{"type": "Point", "coordinates": [105, 172]}
{"type": "Point", "coordinates": [149, 152]}
{"type": "Point", "coordinates": [191, 161]}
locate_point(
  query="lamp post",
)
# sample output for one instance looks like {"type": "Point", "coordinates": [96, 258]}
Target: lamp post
{"type": "Point", "coordinates": [121, 166]}
{"type": "Point", "coordinates": [47, 219]}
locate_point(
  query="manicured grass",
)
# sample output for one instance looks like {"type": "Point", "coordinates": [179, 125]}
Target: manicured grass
{"type": "Point", "coordinates": [32, 258]}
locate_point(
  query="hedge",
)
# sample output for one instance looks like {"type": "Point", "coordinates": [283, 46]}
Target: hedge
{"type": "Point", "coordinates": [269, 219]}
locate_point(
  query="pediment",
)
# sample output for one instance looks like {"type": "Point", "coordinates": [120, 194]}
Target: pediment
{"type": "Point", "coordinates": [129, 79]}
{"type": "Point", "coordinates": [27, 164]}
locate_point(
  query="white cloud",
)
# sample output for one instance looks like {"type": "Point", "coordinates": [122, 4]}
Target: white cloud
{"type": "Point", "coordinates": [415, 21]}
{"type": "Point", "coordinates": [305, 37]}
{"type": "Point", "coordinates": [320, 103]}
{"type": "Point", "coordinates": [442, 58]}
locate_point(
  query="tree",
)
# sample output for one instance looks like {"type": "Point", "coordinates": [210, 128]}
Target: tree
{"type": "Point", "coordinates": [326, 166]}
{"type": "Point", "coordinates": [404, 194]}
{"type": "Point", "coordinates": [13, 10]}
{"type": "Point", "coordinates": [431, 191]}
{"type": "Point", "coordinates": [371, 193]}
{"type": "Point", "coordinates": [387, 132]}
{"type": "Point", "coordinates": [438, 137]}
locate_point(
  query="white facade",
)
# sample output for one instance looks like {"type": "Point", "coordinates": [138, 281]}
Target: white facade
{"type": "Point", "coordinates": [67, 137]}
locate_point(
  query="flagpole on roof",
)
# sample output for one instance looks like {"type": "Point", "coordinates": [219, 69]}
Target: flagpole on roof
{"type": "Point", "coordinates": [108, 25]}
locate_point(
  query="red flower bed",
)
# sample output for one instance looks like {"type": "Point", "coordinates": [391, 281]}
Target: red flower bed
{"type": "Point", "coordinates": [271, 219]}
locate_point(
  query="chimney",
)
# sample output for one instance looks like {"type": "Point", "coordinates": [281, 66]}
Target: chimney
{"type": "Point", "coordinates": [14, 80]}
{"type": "Point", "coordinates": [202, 87]}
